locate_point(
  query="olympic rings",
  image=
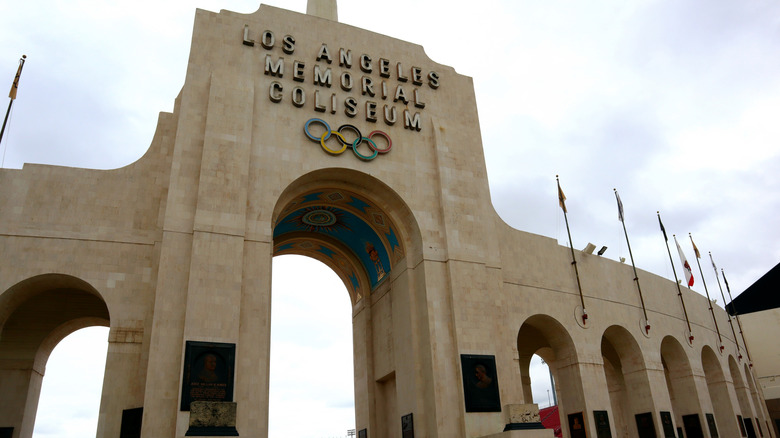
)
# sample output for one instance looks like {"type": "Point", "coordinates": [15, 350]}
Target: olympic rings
{"type": "Point", "coordinates": [354, 144]}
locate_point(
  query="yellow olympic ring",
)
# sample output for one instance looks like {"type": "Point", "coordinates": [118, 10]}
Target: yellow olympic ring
{"type": "Point", "coordinates": [331, 151]}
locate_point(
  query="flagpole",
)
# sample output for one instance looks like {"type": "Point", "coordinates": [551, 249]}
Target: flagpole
{"type": "Point", "coordinates": [676, 280]}
{"type": "Point", "coordinates": [12, 94]}
{"type": "Point", "coordinates": [633, 265]}
{"type": "Point", "coordinates": [561, 199]}
{"type": "Point", "coordinates": [704, 282]}
{"type": "Point", "coordinates": [731, 323]}
{"type": "Point", "coordinates": [736, 315]}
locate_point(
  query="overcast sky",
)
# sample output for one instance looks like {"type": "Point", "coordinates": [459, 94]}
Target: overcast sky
{"type": "Point", "coordinates": [674, 103]}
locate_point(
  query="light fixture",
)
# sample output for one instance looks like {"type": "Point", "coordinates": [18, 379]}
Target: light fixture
{"type": "Point", "coordinates": [602, 250]}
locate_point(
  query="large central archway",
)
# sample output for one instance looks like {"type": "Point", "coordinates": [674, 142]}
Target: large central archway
{"type": "Point", "coordinates": [346, 231]}
{"type": "Point", "coordinates": [362, 230]}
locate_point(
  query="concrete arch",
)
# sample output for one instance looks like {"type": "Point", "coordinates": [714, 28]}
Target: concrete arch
{"type": "Point", "coordinates": [743, 397]}
{"type": "Point", "coordinates": [359, 210]}
{"type": "Point", "coordinates": [682, 385]}
{"type": "Point", "coordinates": [746, 412]}
{"type": "Point", "coordinates": [386, 199]}
{"type": "Point", "coordinates": [37, 314]}
{"type": "Point", "coordinates": [545, 336]}
{"type": "Point", "coordinates": [624, 369]}
{"type": "Point", "coordinates": [363, 231]}
{"type": "Point", "coordinates": [720, 392]}
{"type": "Point", "coordinates": [755, 397]}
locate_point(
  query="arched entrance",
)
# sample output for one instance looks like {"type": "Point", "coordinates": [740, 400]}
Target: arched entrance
{"type": "Point", "coordinates": [544, 336]}
{"type": "Point", "coordinates": [361, 229]}
{"type": "Point", "coordinates": [35, 315]}
{"type": "Point", "coordinates": [311, 367]}
{"type": "Point", "coordinates": [627, 379]}
{"type": "Point", "coordinates": [743, 395]}
{"type": "Point", "coordinates": [719, 393]}
{"type": "Point", "coordinates": [682, 388]}
{"type": "Point", "coordinates": [755, 398]}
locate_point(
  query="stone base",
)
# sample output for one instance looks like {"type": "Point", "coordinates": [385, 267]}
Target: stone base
{"type": "Point", "coordinates": [212, 419]}
{"type": "Point", "coordinates": [523, 426]}
{"type": "Point", "coordinates": [211, 431]}
{"type": "Point", "coordinates": [528, 433]}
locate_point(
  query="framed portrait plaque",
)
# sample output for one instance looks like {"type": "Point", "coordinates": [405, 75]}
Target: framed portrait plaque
{"type": "Point", "coordinates": [407, 426]}
{"type": "Point", "coordinates": [208, 372]}
{"type": "Point", "coordinates": [480, 383]}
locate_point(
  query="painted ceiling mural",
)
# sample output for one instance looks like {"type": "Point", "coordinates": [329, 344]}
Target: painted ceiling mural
{"type": "Point", "coordinates": [342, 226]}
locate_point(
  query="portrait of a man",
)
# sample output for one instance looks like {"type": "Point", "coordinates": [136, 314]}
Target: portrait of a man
{"type": "Point", "coordinates": [480, 383]}
{"type": "Point", "coordinates": [208, 372]}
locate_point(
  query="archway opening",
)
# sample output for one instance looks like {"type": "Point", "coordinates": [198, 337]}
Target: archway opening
{"type": "Point", "coordinates": [717, 385]}
{"type": "Point", "coordinates": [543, 336]}
{"type": "Point", "coordinates": [69, 403]}
{"type": "Point", "coordinates": [311, 351]}
{"type": "Point", "coordinates": [681, 386]}
{"type": "Point", "coordinates": [743, 397]}
{"type": "Point", "coordinates": [542, 383]}
{"type": "Point", "coordinates": [35, 315]}
{"type": "Point", "coordinates": [361, 229]}
{"type": "Point", "coordinates": [627, 379]}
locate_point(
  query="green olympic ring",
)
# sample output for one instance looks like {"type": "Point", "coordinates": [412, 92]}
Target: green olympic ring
{"type": "Point", "coordinates": [339, 135]}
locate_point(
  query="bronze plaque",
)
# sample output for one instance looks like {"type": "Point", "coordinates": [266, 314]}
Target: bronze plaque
{"type": "Point", "coordinates": [208, 373]}
{"type": "Point", "coordinates": [577, 426]}
{"type": "Point", "coordinates": [602, 424]}
{"type": "Point", "coordinates": [644, 425]}
{"type": "Point", "coordinates": [666, 422]}
{"type": "Point", "coordinates": [711, 425]}
{"type": "Point", "coordinates": [692, 426]}
{"type": "Point", "coordinates": [480, 383]}
{"type": "Point", "coordinates": [407, 426]}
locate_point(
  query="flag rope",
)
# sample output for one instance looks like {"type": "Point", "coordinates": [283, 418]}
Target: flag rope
{"type": "Point", "coordinates": [676, 280]}
{"type": "Point", "coordinates": [736, 315]}
{"type": "Point", "coordinates": [709, 300]}
{"type": "Point", "coordinates": [561, 199]}
{"type": "Point", "coordinates": [731, 323]}
{"type": "Point", "coordinates": [12, 94]}
{"type": "Point", "coordinates": [636, 276]}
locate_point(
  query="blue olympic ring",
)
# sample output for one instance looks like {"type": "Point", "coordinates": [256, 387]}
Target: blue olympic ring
{"type": "Point", "coordinates": [354, 144]}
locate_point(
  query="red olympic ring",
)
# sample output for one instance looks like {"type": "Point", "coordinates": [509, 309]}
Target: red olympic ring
{"type": "Point", "coordinates": [354, 144]}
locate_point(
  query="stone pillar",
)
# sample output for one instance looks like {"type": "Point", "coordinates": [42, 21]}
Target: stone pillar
{"type": "Point", "coordinates": [123, 381]}
{"type": "Point", "coordinates": [661, 397]}
{"type": "Point", "coordinates": [163, 384]}
{"type": "Point", "coordinates": [365, 406]}
{"type": "Point", "coordinates": [594, 383]}
{"type": "Point", "coordinates": [724, 399]}
{"type": "Point", "coordinates": [254, 341]}
{"type": "Point", "coordinates": [20, 386]}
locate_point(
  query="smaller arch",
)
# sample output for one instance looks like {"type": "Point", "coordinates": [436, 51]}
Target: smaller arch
{"type": "Point", "coordinates": [681, 384]}
{"type": "Point", "coordinates": [758, 411]}
{"type": "Point", "coordinates": [546, 337]}
{"type": "Point", "coordinates": [718, 388]}
{"type": "Point", "coordinates": [627, 348]}
{"type": "Point", "coordinates": [627, 377]}
{"type": "Point", "coordinates": [35, 315]}
{"type": "Point", "coordinates": [15, 295]}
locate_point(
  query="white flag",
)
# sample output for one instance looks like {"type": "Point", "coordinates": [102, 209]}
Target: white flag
{"type": "Point", "coordinates": [686, 266]}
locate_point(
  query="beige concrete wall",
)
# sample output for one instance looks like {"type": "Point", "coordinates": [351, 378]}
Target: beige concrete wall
{"type": "Point", "coordinates": [179, 245]}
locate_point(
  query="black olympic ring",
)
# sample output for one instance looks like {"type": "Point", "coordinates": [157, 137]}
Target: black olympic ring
{"type": "Point", "coordinates": [354, 144]}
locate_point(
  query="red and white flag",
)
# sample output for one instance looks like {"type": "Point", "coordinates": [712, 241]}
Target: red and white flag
{"type": "Point", "coordinates": [686, 266]}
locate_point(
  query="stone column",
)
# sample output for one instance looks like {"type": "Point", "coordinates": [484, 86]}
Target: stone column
{"type": "Point", "coordinates": [123, 381]}
{"type": "Point", "coordinates": [20, 386]}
